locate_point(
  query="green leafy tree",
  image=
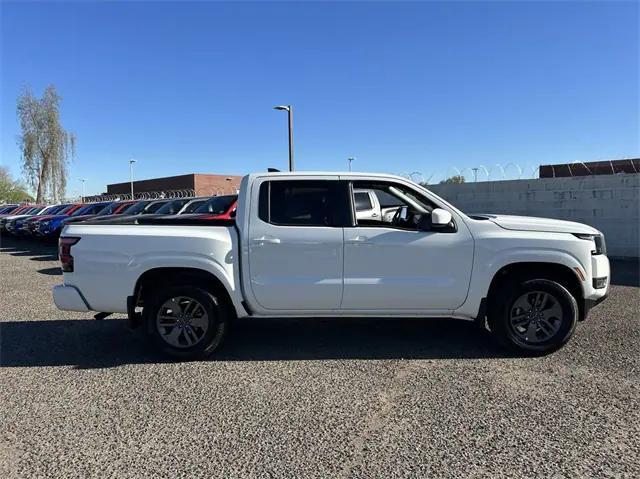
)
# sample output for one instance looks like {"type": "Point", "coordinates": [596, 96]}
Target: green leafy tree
{"type": "Point", "coordinates": [457, 179]}
{"type": "Point", "coordinates": [46, 146]}
{"type": "Point", "coordinates": [11, 191]}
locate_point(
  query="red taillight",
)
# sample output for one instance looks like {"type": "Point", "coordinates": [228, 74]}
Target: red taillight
{"type": "Point", "coordinates": [64, 252]}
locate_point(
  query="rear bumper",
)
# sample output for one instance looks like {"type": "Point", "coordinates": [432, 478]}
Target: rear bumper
{"type": "Point", "coordinates": [69, 298]}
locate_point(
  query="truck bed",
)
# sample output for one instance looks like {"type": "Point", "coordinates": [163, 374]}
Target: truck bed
{"type": "Point", "coordinates": [110, 258]}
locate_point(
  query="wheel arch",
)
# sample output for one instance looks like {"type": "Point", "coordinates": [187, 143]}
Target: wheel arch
{"type": "Point", "coordinates": [175, 276]}
{"type": "Point", "coordinates": [522, 271]}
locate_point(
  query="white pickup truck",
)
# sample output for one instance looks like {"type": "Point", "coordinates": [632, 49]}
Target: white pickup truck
{"type": "Point", "coordinates": [298, 248]}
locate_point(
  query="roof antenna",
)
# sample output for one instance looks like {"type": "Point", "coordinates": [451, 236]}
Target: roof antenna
{"type": "Point", "coordinates": [273, 170]}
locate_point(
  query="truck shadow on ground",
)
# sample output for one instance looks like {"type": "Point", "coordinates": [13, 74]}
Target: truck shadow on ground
{"type": "Point", "coordinates": [87, 344]}
{"type": "Point", "coordinates": [35, 250]}
{"type": "Point", "coordinates": [55, 271]}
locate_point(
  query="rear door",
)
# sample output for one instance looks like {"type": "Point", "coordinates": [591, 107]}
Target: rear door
{"type": "Point", "coordinates": [296, 243]}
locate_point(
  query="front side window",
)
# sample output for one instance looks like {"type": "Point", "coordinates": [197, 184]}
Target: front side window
{"type": "Point", "coordinates": [400, 206]}
{"type": "Point", "coordinates": [300, 203]}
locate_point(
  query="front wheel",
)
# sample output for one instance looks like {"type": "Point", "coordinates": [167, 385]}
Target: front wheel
{"type": "Point", "coordinates": [535, 317]}
{"type": "Point", "coordinates": [186, 322]}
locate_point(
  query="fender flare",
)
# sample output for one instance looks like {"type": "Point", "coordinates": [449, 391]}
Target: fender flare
{"type": "Point", "coordinates": [532, 255]}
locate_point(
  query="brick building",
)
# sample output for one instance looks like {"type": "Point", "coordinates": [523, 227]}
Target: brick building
{"type": "Point", "coordinates": [203, 185]}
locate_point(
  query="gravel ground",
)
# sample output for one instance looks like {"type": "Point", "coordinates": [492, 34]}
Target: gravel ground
{"type": "Point", "coordinates": [310, 398]}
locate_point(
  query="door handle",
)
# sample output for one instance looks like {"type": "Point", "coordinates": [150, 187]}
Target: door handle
{"type": "Point", "coordinates": [360, 239]}
{"type": "Point", "coordinates": [266, 239]}
{"type": "Point", "coordinates": [374, 215]}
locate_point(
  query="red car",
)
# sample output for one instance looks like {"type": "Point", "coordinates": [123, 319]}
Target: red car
{"type": "Point", "coordinates": [218, 208]}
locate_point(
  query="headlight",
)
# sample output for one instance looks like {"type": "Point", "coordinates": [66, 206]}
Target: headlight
{"type": "Point", "coordinates": [600, 247]}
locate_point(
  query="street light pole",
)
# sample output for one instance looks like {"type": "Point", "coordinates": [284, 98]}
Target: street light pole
{"type": "Point", "coordinates": [289, 110]}
{"type": "Point", "coordinates": [83, 180]}
{"type": "Point", "coordinates": [131, 162]}
{"type": "Point", "coordinates": [350, 159]}
{"type": "Point", "coordinates": [475, 175]}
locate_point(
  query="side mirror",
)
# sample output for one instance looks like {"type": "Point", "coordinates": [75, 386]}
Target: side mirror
{"type": "Point", "coordinates": [440, 218]}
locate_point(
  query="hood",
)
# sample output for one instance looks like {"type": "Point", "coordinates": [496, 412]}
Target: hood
{"type": "Point", "coordinates": [74, 219]}
{"type": "Point", "coordinates": [531, 223]}
{"type": "Point", "coordinates": [55, 217]}
{"type": "Point", "coordinates": [39, 218]}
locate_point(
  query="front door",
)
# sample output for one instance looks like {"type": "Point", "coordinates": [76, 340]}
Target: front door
{"type": "Point", "coordinates": [296, 245]}
{"type": "Point", "coordinates": [391, 265]}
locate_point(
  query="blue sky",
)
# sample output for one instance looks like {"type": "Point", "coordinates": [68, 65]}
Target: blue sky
{"type": "Point", "coordinates": [403, 87]}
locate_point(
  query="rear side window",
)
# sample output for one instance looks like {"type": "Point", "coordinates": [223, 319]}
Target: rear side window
{"type": "Point", "coordinates": [363, 201]}
{"type": "Point", "coordinates": [300, 203]}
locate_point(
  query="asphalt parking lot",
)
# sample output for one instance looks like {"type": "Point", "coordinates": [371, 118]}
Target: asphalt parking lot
{"type": "Point", "coordinates": [310, 398]}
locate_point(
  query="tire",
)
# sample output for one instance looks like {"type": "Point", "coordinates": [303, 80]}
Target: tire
{"type": "Point", "coordinates": [534, 317]}
{"type": "Point", "coordinates": [186, 322]}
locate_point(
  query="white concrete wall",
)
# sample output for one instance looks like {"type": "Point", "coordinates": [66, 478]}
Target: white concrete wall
{"type": "Point", "coordinates": [610, 203]}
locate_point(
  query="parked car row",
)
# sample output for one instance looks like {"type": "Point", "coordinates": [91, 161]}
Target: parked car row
{"type": "Point", "coordinates": [47, 222]}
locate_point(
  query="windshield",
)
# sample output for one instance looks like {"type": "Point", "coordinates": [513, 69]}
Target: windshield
{"type": "Point", "coordinates": [193, 206]}
{"type": "Point", "coordinates": [19, 210]}
{"type": "Point", "coordinates": [64, 210]}
{"type": "Point", "coordinates": [122, 207]}
{"type": "Point", "coordinates": [153, 207]}
{"type": "Point", "coordinates": [107, 210]}
{"type": "Point", "coordinates": [136, 208]}
{"type": "Point", "coordinates": [61, 209]}
{"type": "Point", "coordinates": [217, 205]}
{"type": "Point", "coordinates": [89, 209]}
{"type": "Point", "coordinates": [172, 207]}
{"type": "Point", "coordinates": [51, 210]}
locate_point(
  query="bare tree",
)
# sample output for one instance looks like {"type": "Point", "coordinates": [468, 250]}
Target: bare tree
{"type": "Point", "coordinates": [46, 146]}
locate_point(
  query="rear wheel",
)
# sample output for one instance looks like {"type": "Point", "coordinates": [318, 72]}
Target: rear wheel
{"type": "Point", "coordinates": [534, 317]}
{"type": "Point", "coordinates": [186, 322]}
